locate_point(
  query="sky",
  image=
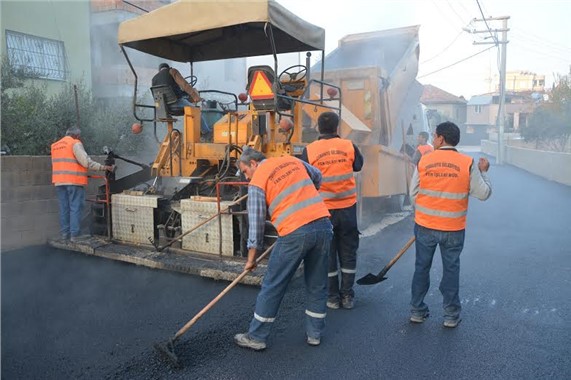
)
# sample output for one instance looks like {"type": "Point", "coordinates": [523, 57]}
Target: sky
{"type": "Point", "coordinates": [539, 36]}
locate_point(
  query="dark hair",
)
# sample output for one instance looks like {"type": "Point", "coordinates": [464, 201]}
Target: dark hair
{"type": "Point", "coordinates": [424, 135]}
{"type": "Point", "coordinates": [73, 131]}
{"type": "Point", "coordinates": [449, 131]}
{"type": "Point", "coordinates": [163, 66]}
{"type": "Point", "coordinates": [328, 122]}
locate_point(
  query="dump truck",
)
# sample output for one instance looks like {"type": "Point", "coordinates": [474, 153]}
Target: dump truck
{"type": "Point", "coordinates": [381, 111]}
{"type": "Point", "coordinates": [191, 198]}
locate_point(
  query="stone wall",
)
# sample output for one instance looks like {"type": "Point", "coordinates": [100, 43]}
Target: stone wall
{"type": "Point", "coordinates": [29, 205]}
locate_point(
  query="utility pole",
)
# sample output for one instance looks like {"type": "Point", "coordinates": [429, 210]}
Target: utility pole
{"type": "Point", "coordinates": [501, 117]}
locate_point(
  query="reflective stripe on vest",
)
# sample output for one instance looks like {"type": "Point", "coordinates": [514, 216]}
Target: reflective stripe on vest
{"type": "Point", "coordinates": [334, 158]}
{"type": "Point", "coordinates": [65, 167]}
{"type": "Point", "coordinates": [291, 196]}
{"type": "Point", "coordinates": [442, 200]}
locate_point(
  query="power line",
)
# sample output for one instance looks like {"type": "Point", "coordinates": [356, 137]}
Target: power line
{"type": "Point", "coordinates": [526, 47]}
{"type": "Point", "coordinates": [454, 10]}
{"type": "Point", "coordinates": [486, 22]}
{"type": "Point", "coordinates": [539, 46]}
{"type": "Point", "coordinates": [527, 35]}
{"type": "Point", "coordinates": [443, 50]}
{"type": "Point", "coordinates": [463, 7]}
{"type": "Point", "coordinates": [455, 63]}
{"type": "Point", "coordinates": [452, 20]}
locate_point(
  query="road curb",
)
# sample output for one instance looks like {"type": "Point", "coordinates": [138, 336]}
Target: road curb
{"type": "Point", "coordinates": [175, 260]}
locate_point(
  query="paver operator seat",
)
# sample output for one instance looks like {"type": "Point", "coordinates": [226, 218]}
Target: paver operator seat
{"type": "Point", "coordinates": [165, 102]}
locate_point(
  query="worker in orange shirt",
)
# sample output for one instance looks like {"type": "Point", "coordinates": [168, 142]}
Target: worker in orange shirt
{"type": "Point", "coordinates": [441, 184]}
{"type": "Point", "coordinates": [422, 148]}
{"type": "Point", "coordinates": [286, 189]}
{"type": "Point", "coordinates": [70, 164]}
{"type": "Point", "coordinates": [337, 159]}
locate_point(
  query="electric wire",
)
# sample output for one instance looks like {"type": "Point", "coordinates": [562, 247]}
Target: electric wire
{"type": "Point", "coordinates": [443, 50]}
{"type": "Point", "coordinates": [455, 63]}
{"type": "Point", "coordinates": [486, 22]}
{"type": "Point", "coordinates": [525, 35]}
{"type": "Point", "coordinates": [454, 10]}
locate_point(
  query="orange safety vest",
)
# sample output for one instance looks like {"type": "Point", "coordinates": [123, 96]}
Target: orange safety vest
{"type": "Point", "coordinates": [334, 158]}
{"type": "Point", "coordinates": [424, 149]}
{"type": "Point", "coordinates": [442, 200]}
{"type": "Point", "coordinates": [291, 196]}
{"type": "Point", "coordinates": [65, 167]}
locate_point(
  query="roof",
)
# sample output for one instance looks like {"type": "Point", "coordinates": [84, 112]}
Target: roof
{"type": "Point", "coordinates": [432, 95]}
{"type": "Point", "coordinates": [202, 30]}
{"type": "Point", "coordinates": [481, 100]}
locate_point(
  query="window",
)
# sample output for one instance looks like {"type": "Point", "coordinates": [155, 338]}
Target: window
{"type": "Point", "coordinates": [478, 109]}
{"type": "Point", "coordinates": [40, 57]}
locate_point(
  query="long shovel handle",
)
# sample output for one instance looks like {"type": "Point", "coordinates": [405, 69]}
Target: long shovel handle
{"type": "Point", "coordinates": [398, 256]}
{"type": "Point", "coordinates": [202, 223]}
{"type": "Point", "coordinates": [219, 296]}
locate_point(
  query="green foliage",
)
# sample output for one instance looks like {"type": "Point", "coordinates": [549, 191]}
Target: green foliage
{"type": "Point", "coordinates": [550, 124]}
{"type": "Point", "coordinates": [32, 121]}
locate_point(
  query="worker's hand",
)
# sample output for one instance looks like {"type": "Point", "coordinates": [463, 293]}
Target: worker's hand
{"type": "Point", "coordinates": [251, 262]}
{"type": "Point", "coordinates": [483, 164]}
{"type": "Point", "coordinates": [110, 168]}
{"type": "Point", "coordinates": [250, 265]}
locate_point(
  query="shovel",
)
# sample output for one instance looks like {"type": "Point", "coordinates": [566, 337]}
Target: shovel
{"type": "Point", "coordinates": [372, 279]}
{"type": "Point", "coordinates": [166, 349]}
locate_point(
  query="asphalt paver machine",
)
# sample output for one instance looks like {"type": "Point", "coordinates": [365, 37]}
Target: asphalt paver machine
{"type": "Point", "coordinates": [270, 116]}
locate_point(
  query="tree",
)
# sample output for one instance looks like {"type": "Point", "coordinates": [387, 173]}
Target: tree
{"type": "Point", "coordinates": [550, 124]}
{"type": "Point", "coordinates": [32, 121]}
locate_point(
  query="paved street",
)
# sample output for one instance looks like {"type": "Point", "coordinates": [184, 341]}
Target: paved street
{"type": "Point", "coordinates": [66, 315]}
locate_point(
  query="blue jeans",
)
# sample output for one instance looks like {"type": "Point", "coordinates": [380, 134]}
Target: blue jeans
{"type": "Point", "coordinates": [310, 244]}
{"type": "Point", "coordinates": [71, 199]}
{"type": "Point", "coordinates": [451, 244]}
{"type": "Point", "coordinates": [343, 251]}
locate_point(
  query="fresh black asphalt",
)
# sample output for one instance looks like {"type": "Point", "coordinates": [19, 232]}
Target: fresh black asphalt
{"type": "Point", "coordinates": [70, 316]}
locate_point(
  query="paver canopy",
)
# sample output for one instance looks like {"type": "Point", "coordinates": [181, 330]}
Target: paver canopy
{"type": "Point", "coordinates": [202, 30]}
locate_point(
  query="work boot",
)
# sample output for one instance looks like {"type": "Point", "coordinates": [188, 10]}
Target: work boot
{"type": "Point", "coordinates": [416, 318]}
{"type": "Point", "coordinates": [313, 341]}
{"type": "Point", "coordinates": [347, 302]}
{"type": "Point", "coordinates": [333, 303]}
{"type": "Point", "coordinates": [451, 323]}
{"type": "Point", "coordinates": [244, 340]}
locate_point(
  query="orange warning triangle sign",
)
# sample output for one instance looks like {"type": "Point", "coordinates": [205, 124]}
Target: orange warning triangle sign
{"type": "Point", "coordinates": [261, 87]}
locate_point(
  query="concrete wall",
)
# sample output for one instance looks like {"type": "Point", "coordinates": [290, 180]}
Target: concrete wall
{"type": "Point", "coordinates": [554, 166]}
{"type": "Point", "coordinates": [29, 206]}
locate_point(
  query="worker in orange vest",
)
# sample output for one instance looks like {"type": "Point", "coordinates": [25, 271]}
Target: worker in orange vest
{"type": "Point", "coordinates": [70, 164]}
{"type": "Point", "coordinates": [441, 184]}
{"type": "Point", "coordinates": [337, 159]}
{"type": "Point", "coordinates": [286, 189]}
{"type": "Point", "coordinates": [422, 148]}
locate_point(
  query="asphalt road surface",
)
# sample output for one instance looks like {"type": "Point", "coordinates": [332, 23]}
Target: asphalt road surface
{"type": "Point", "coordinates": [66, 315]}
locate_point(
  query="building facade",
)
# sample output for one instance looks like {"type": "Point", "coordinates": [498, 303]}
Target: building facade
{"type": "Point", "coordinates": [448, 106]}
{"type": "Point", "coordinates": [112, 76]}
{"type": "Point", "coordinates": [522, 81]}
{"type": "Point", "coordinates": [48, 40]}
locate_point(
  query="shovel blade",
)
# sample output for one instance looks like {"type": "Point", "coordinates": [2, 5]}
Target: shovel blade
{"type": "Point", "coordinates": [370, 279]}
{"type": "Point", "coordinates": [166, 351]}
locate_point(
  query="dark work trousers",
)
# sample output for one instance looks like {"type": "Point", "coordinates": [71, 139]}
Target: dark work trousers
{"type": "Point", "coordinates": [343, 252]}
